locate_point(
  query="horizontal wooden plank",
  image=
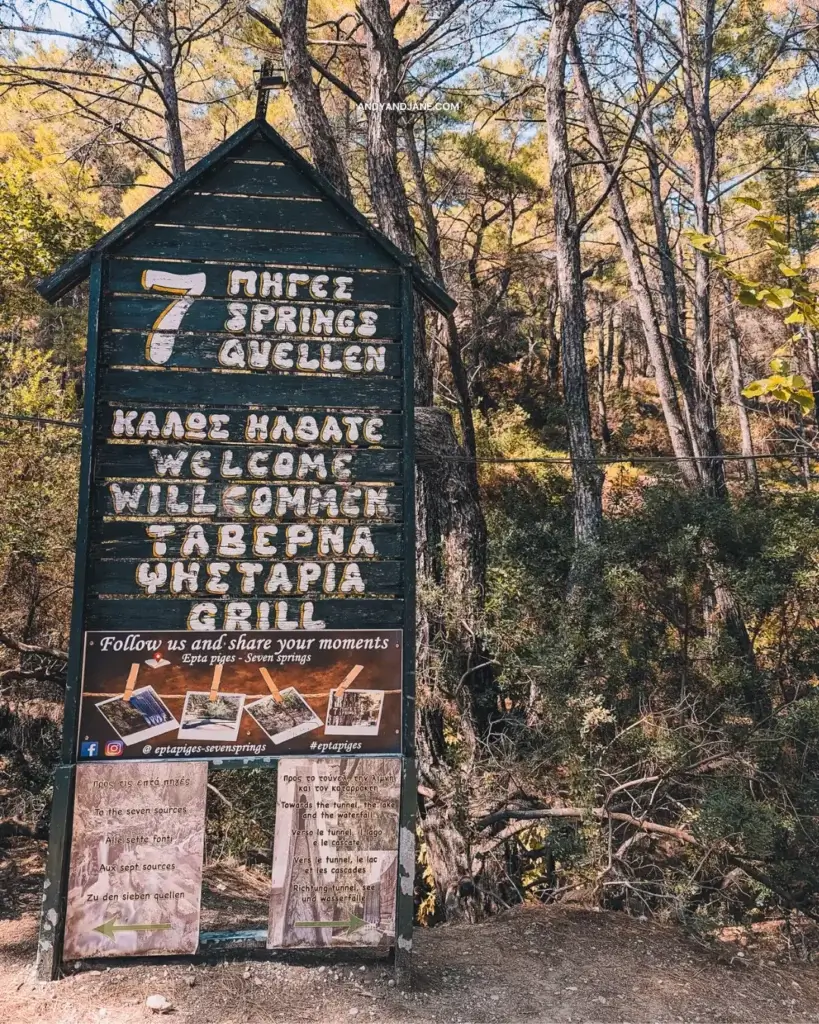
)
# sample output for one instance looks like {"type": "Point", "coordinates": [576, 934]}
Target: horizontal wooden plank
{"type": "Point", "coordinates": [123, 539]}
{"type": "Point", "coordinates": [263, 502]}
{"type": "Point", "coordinates": [143, 422]}
{"type": "Point", "coordinates": [274, 214]}
{"type": "Point", "coordinates": [120, 577]}
{"type": "Point", "coordinates": [353, 251]}
{"type": "Point", "coordinates": [262, 355]}
{"type": "Point", "coordinates": [257, 317]}
{"type": "Point", "coordinates": [278, 464]}
{"type": "Point", "coordinates": [261, 148]}
{"type": "Point", "coordinates": [125, 275]}
{"type": "Point", "coordinates": [188, 386]}
{"type": "Point", "coordinates": [174, 613]}
{"type": "Point", "coordinates": [237, 177]}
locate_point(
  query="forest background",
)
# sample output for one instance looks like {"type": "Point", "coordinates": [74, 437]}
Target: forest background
{"type": "Point", "coordinates": [617, 433]}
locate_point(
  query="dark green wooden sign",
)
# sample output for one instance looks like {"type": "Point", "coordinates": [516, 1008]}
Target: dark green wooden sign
{"type": "Point", "coordinates": [245, 553]}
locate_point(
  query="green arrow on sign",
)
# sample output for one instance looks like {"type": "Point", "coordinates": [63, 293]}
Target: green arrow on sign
{"type": "Point", "coordinates": [110, 928]}
{"type": "Point", "coordinates": [352, 925]}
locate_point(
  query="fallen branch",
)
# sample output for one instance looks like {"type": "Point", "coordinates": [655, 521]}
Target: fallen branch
{"type": "Point", "coordinates": [525, 819]}
{"type": "Point", "coordinates": [769, 883]}
{"type": "Point", "coordinates": [521, 820]}
{"type": "Point", "coordinates": [14, 828]}
{"type": "Point", "coordinates": [21, 648]}
{"type": "Point", "coordinates": [534, 813]}
{"type": "Point", "coordinates": [237, 810]}
{"type": "Point", "coordinates": [221, 796]}
{"type": "Point", "coordinates": [24, 675]}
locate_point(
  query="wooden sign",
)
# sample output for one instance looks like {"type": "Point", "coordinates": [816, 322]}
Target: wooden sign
{"type": "Point", "coordinates": [249, 447]}
{"type": "Point", "coordinates": [135, 876]}
{"type": "Point", "coordinates": [335, 853]}
{"type": "Point", "coordinates": [247, 471]}
{"type": "Point", "coordinates": [248, 460]}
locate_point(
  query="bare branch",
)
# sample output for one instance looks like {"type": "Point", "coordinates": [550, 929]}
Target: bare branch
{"type": "Point", "coordinates": [271, 26]}
{"type": "Point", "coordinates": [23, 648]}
{"type": "Point", "coordinates": [408, 48]}
{"type": "Point", "coordinates": [613, 172]}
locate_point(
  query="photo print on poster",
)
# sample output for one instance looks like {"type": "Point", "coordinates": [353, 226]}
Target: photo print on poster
{"type": "Point", "coordinates": [138, 717]}
{"type": "Point", "coordinates": [204, 718]}
{"type": "Point", "coordinates": [354, 712]}
{"type": "Point", "coordinates": [284, 717]}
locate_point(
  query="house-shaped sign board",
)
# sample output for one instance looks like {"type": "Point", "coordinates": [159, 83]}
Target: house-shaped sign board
{"type": "Point", "coordinates": [244, 590]}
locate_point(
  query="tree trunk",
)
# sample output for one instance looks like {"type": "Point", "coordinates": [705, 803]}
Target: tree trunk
{"type": "Point", "coordinates": [639, 280]}
{"type": "Point", "coordinates": [621, 356]}
{"type": "Point", "coordinates": [464, 527]}
{"type": "Point", "coordinates": [605, 433]}
{"type": "Point", "coordinates": [736, 390]}
{"type": "Point", "coordinates": [444, 813]}
{"type": "Point", "coordinates": [387, 192]}
{"type": "Point", "coordinates": [677, 343]}
{"type": "Point", "coordinates": [812, 361]}
{"type": "Point", "coordinates": [701, 128]}
{"type": "Point", "coordinates": [307, 97]}
{"type": "Point", "coordinates": [553, 370]}
{"type": "Point", "coordinates": [173, 127]}
{"type": "Point", "coordinates": [735, 362]}
{"type": "Point", "coordinates": [389, 197]}
{"type": "Point", "coordinates": [730, 616]}
{"type": "Point", "coordinates": [460, 563]}
{"type": "Point", "coordinates": [451, 332]}
{"type": "Point", "coordinates": [587, 478]}
{"type": "Point", "coordinates": [455, 683]}
{"type": "Point", "coordinates": [455, 686]}
{"type": "Point", "coordinates": [610, 344]}
{"type": "Point", "coordinates": [696, 97]}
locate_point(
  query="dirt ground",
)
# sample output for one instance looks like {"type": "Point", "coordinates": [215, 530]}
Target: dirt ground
{"type": "Point", "coordinates": [538, 964]}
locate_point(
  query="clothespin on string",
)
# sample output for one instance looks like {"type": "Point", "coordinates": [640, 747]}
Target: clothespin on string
{"type": "Point", "coordinates": [131, 683]}
{"type": "Point", "coordinates": [275, 693]}
{"type": "Point", "coordinates": [217, 679]}
{"type": "Point", "coordinates": [351, 676]}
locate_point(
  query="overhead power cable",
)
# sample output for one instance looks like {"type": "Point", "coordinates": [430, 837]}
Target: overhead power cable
{"type": "Point", "coordinates": [606, 460]}
{"type": "Point", "coordinates": [75, 424]}
{"type": "Point", "coordinates": [554, 460]}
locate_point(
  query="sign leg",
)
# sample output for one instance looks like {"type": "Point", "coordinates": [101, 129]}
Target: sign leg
{"type": "Point", "coordinates": [52, 915]}
{"type": "Point", "coordinates": [406, 874]}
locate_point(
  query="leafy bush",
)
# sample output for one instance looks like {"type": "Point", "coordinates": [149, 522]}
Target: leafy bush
{"type": "Point", "coordinates": [633, 702]}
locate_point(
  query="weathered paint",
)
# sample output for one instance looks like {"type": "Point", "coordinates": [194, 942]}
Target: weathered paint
{"type": "Point", "coordinates": [249, 362]}
{"type": "Point", "coordinates": [406, 871]}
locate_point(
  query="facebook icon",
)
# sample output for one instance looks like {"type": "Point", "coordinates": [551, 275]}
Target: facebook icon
{"type": "Point", "coordinates": [90, 749]}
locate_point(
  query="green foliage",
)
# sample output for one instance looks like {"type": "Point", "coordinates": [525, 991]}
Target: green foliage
{"type": "Point", "coordinates": [502, 174]}
{"type": "Point", "coordinates": [240, 813]}
{"type": "Point", "coordinates": [46, 216]}
{"type": "Point", "coordinates": [795, 298]}
{"type": "Point", "coordinates": [728, 813]}
{"type": "Point", "coordinates": [782, 385]}
{"type": "Point", "coordinates": [34, 237]}
{"type": "Point", "coordinates": [639, 678]}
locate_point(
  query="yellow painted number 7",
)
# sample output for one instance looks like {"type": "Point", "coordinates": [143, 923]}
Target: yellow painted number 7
{"type": "Point", "coordinates": [159, 346]}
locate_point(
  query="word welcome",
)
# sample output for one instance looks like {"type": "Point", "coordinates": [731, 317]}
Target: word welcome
{"type": "Point", "coordinates": [257, 464]}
